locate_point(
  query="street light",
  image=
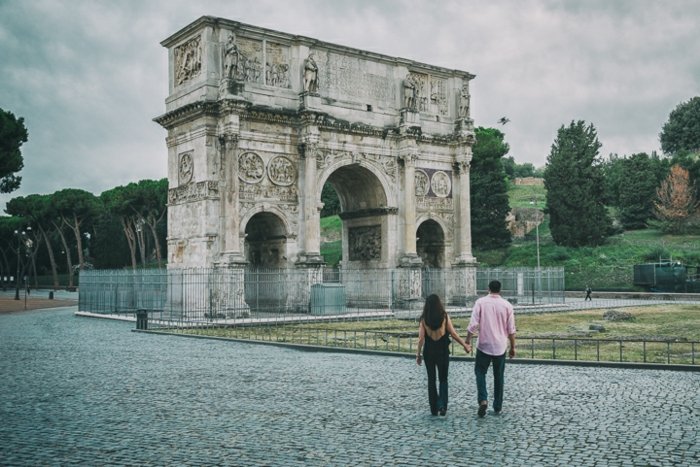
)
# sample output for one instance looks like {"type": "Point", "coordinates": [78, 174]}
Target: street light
{"type": "Point", "coordinates": [538, 277]}
{"type": "Point", "coordinates": [27, 244]}
{"type": "Point", "coordinates": [537, 232]}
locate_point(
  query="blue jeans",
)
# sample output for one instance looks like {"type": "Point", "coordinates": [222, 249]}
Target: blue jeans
{"type": "Point", "coordinates": [481, 367]}
{"type": "Point", "coordinates": [437, 400]}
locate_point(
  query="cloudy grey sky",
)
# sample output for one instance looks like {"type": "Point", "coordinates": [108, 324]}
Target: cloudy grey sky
{"type": "Point", "coordinates": [89, 76]}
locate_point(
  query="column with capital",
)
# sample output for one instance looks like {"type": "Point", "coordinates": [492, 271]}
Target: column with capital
{"type": "Point", "coordinates": [463, 214]}
{"type": "Point", "coordinates": [410, 255]}
{"type": "Point", "coordinates": [410, 281]}
{"type": "Point", "coordinates": [463, 284]}
{"type": "Point", "coordinates": [230, 211]}
{"type": "Point", "coordinates": [311, 217]}
{"type": "Point", "coordinates": [228, 277]}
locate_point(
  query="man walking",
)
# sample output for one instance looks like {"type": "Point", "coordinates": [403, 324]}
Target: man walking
{"type": "Point", "coordinates": [493, 316]}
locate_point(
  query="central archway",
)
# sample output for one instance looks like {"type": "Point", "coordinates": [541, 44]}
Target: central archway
{"type": "Point", "coordinates": [365, 216]}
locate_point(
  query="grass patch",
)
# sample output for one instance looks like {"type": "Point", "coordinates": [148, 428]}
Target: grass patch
{"type": "Point", "coordinates": [669, 330]}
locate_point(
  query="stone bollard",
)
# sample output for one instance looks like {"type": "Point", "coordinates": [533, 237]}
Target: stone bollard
{"type": "Point", "coordinates": [141, 320]}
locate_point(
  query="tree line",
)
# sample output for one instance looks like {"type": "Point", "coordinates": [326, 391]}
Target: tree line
{"type": "Point", "coordinates": [72, 229]}
{"type": "Point", "coordinates": [589, 199]}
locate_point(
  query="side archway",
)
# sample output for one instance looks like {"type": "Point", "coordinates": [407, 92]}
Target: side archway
{"type": "Point", "coordinates": [265, 241]}
{"type": "Point", "coordinates": [430, 244]}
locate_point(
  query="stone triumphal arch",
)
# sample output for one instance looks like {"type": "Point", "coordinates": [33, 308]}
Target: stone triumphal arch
{"type": "Point", "coordinates": [259, 120]}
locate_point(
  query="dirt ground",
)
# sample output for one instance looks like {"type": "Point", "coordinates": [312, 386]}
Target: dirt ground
{"type": "Point", "coordinates": [10, 305]}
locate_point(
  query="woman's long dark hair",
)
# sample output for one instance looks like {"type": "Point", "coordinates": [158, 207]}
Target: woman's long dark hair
{"type": "Point", "coordinates": [433, 312]}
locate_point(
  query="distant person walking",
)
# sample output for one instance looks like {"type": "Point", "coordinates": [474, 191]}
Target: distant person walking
{"type": "Point", "coordinates": [494, 318]}
{"type": "Point", "coordinates": [588, 293]}
{"type": "Point", "coordinates": [434, 330]}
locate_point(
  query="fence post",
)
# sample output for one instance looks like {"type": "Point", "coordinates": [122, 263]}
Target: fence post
{"type": "Point", "coordinates": [620, 350]}
{"type": "Point", "coordinates": [141, 319]}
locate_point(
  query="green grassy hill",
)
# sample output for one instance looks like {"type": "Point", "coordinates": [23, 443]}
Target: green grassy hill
{"type": "Point", "coordinates": [607, 267]}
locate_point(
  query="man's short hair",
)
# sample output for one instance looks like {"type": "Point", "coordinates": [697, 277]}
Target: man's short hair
{"type": "Point", "coordinates": [494, 286]}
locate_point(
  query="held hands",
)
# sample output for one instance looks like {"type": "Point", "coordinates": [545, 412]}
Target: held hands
{"type": "Point", "coordinates": [467, 347]}
{"type": "Point", "coordinates": [511, 352]}
{"type": "Point", "coordinates": [419, 359]}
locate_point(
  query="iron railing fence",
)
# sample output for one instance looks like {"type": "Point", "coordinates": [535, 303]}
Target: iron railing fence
{"type": "Point", "coordinates": [525, 286]}
{"type": "Point", "coordinates": [239, 296]}
{"type": "Point", "coordinates": [679, 352]}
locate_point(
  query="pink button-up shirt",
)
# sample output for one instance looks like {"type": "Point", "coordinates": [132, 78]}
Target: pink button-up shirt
{"type": "Point", "coordinates": [493, 316]}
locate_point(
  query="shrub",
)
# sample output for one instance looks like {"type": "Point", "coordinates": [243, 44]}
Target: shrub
{"type": "Point", "coordinates": [559, 253]}
{"type": "Point", "coordinates": [656, 253]}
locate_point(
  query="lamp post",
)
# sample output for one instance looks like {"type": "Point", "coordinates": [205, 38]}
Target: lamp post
{"type": "Point", "coordinates": [19, 244]}
{"type": "Point", "coordinates": [21, 238]}
{"type": "Point", "coordinates": [537, 231]}
{"type": "Point", "coordinates": [538, 272]}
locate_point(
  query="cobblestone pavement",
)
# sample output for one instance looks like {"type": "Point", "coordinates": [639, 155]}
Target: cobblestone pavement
{"type": "Point", "coordinates": [80, 391]}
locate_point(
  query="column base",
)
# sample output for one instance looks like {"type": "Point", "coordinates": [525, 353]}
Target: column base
{"type": "Point", "coordinates": [310, 259]}
{"type": "Point", "coordinates": [231, 259]}
{"type": "Point", "coordinates": [464, 261]}
{"type": "Point", "coordinates": [410, 261]}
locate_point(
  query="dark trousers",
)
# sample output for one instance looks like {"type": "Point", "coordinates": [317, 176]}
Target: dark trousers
{"type": "Point", "coordinates": [481, 367]}
{"type": "Point", "coordinates": [438, 400]}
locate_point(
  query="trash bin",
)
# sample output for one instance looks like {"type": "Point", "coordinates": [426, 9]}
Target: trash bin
{"type": "Point", "coordinates": [141, 319]}
{"type": "Point", "coordinates": [50, 294]}
{"type": "Point", "coordinates": [327, 299]}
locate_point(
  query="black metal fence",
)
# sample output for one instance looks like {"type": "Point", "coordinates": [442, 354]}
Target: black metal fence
{"type": "Point", "coordinates": [239, 296]}
{"type": "Point", "coordinates": [678, 352]}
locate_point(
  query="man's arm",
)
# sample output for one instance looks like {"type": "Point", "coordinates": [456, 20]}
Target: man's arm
{"type": "Point", "coordinates": [511, 338]}
{"type": "Point", "coordinates": [473, 325]}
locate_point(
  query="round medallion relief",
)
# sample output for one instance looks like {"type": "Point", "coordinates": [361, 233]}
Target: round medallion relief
{"type": "Point", "coordinates": [441, 184]}
{"type": "Point", "coordinates": [251, 167]}
{"type": "Point", "coordinates": [422, 185]}
{"type": "Point", "coordinates": [281, 171]}
{"type": "Point", "coordinates": [185, 168]}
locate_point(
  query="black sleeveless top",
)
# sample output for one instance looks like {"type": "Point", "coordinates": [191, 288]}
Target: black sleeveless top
{"type": "Point", "coordinates": [436, 349]}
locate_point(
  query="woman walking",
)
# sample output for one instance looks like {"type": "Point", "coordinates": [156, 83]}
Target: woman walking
{"type": "Point", "coordinates": [434, 330]}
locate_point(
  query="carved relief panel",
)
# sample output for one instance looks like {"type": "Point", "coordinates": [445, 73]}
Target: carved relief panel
{"type": "Point", "coordinates": [365, 243]}
{"type": "Point", "coordinates": [277, 65]}
{"type": "Point", "coordinates": [251, 168]}
{"type": "Point", "coordinates": [425, 93]}
{"type": "Point", "coordinates": [281, 171]}
{"type": "Point", "coordinates": [438, 96]}
{"type": "Point", "coordinates": [440, 184]}
{"type": "Point", "coordinates": [251, 63]}
{"type": "Point", "coordinates": [279, 185]}
{"type": "Point", "coordinates": [421, 183]}
{"type": "Point", "coordinates": [185, 168]}
{"type": "Point", "coordinates": [198, 191]}
{"type": "Point", "coordinates": [433, 183]}
{"type": "Point", "coordinates": [188, 60]}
